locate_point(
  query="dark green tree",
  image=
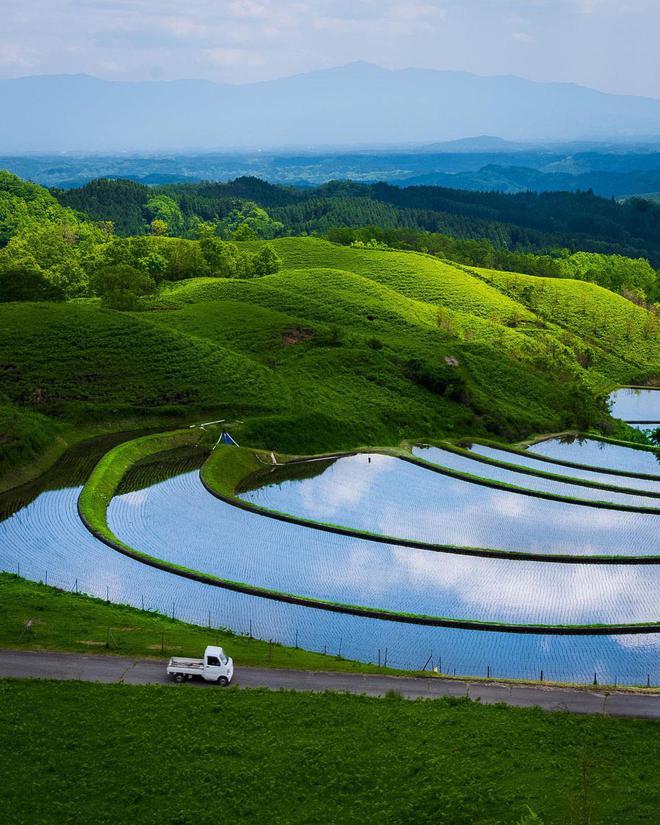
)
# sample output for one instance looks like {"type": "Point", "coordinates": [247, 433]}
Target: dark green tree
{"type": "Point", "coordinates": [121, 286]}
{"type": "Point", "coordinates": [266, 262]}
{"type": "Point", "coordinates": [24, 282]}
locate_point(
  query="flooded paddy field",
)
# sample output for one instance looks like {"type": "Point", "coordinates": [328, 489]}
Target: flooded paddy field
{"type": "Point", "coordinates": [163, 509]}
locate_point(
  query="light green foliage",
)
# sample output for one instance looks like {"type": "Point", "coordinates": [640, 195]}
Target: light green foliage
{"type": "Point", "coordinates": [603, 320]}
{"type": "Point", "coordinates": [223, 259]}
{"type": "Point", "coordinates": [414, 275]}
{"type": "Point", "coordinates": [614, 272]}
{"type": "Point", "coordinates": [23, 433]}
{"type": "Point", "coordinates": [250, 221]}
{"type": "Point", "coordinates": [39, 235]}
{"type": "Point", "coordinates": [165, 209]}
{"type": "Point", "coordinates": [79, 362]}
{"type": "Point", "coordinates": [336, 346]}
{"type": "Point", "coordinates": [90, 752]}
{"type": "Point", "coordinates": [265, 262]}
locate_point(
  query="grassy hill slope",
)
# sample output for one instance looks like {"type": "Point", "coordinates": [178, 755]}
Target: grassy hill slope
{"type": "Point", "coordinates": [341, 347]}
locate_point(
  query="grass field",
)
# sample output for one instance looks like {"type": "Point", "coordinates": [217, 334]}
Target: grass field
{"type": "Point", "coordinates": [94, 753]}
{"type": "Point", "coordinates": [79, 623]}
{"type": "Point", "coordinates": [341, 347]}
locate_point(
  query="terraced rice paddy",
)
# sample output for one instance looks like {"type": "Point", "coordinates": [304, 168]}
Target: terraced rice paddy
{"type": "Point", "coordinates": [388, 496]}
{"type": "Point", "coordinates": [538, 465]}
{"type": "Point", "coordinates": [599, 454]}
{"type": "Point", "coordinates": [511, 476]}
{"type": "Point", "coordinates": [163, 509]}
{"type": "Point", "coordinates": [636, 405]}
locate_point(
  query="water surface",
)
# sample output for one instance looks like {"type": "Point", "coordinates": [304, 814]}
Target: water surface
{"type": "Point", "coordinates": [465, 464]}
{"type": "Point", "coordinates": [534, 463]}
{"type": "Point", "coordinates": [389, 496]}
{"type": "Point", "coordinates": [636, 405]}
{"type": "Point", "coordinates": [597, 453]}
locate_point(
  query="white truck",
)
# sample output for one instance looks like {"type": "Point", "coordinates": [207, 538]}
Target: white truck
{"type": "Point", "coordinates": [216, 667]}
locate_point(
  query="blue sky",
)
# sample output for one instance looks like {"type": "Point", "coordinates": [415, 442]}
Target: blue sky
{"type": "Point", "coordinates": [608, 44]}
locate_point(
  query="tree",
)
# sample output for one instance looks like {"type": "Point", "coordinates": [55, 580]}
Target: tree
{"type": "Point", "coordinates": [153, 263]}
{"type": "Point", "coordinates": [25, 282]}
{"type": "Point", "coordinates": [243, 232]}
{"type": "Point", "coordinates": [120, 286]}
{"type": "Point", "coordinates": [165, 209]}
{"type": "Point", "coordinates": [222, 258]}
{"type": "Point", "coordinates": [266, 262]}
{"type": "Point", "coordinates": [158, 227]}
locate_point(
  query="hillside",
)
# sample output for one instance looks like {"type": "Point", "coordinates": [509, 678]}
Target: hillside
{"type": "Point", "coordinates": [309, 345]}
{"type": "Point", "coordinates": [354, 338]}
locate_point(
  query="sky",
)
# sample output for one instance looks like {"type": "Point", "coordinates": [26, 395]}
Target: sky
{"type": "Point", "coordinates": [607, 44]}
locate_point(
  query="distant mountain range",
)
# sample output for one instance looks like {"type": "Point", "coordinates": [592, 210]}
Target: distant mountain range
{"type": "Point", "coordinates": [358, 104]}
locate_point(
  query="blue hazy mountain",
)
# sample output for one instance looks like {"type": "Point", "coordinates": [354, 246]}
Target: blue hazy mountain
{"type": "Point", "coordinates": [357, 104]}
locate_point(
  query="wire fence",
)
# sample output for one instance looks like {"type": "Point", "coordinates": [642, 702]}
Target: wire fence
{"type": "Point", "coordinates": [383, 644]}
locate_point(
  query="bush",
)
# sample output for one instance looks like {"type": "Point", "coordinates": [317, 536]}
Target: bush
{"type": "Point", "coordinates": [439, 379]}
{"type": "Point", "coordinates": [120, 286]}
{"type": "Point", "coordinates": [23, 282]}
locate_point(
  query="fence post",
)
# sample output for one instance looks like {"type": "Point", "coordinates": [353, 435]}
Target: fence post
{"type": "Point", "coordinates": [340, 641]}
{"type": "Point", "coordinates": [107, 594]}
{"type": "Point", "coordinates": [385, 662]}
{"type": "Point", "coordinates": [296, 638]}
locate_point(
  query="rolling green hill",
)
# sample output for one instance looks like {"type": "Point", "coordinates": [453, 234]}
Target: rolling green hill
{"type": "Point", "coordinates": [343, 346]}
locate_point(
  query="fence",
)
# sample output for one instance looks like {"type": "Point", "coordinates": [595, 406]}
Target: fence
{"type": "Point", "coordinates": [440, 650]}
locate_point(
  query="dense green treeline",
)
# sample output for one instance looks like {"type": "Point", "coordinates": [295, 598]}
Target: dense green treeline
{"type": "Point", "coordinates": [49, 252]}
{"type": "Point", "coordinates": [538, 234]}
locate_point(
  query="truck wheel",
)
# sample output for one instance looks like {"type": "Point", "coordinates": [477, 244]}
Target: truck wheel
{"type": "Point", "coordinates": [223, 681]}
{"type": "Point", "coordinates": [179, 678]}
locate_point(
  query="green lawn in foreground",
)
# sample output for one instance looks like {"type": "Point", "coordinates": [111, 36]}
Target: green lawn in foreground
{"type": "Point", "coordinates": [161, 755]}
{"type": "Point", "coordinates": [69, 621]}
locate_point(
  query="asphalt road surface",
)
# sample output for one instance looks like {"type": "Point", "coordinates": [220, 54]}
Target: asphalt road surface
{"type": "Point", "coordinates": [22, 664]}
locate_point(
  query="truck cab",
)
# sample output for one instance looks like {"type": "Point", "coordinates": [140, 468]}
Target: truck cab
{"type": "Point", "coordinates": [216, 666]}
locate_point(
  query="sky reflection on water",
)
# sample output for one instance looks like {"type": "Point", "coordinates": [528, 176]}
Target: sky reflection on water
{"type": "Point", "coordinates": [177, 520]}
{"type": "Point", "coordinates": [532, 461]}
{"type": "Point", "coordinates": [596, 453]}
{"type": "Point", "coordinates": [636, 405]}
{"type": "Point", "coordinates": [389, 496]}
{"type": "Point", "coordinates": [46, 537]}
{"type": "Point", "coordinates": [465, 464]}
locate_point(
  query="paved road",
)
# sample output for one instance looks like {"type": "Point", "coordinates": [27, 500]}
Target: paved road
{"type": "Point", "coordinates": [113, 669]}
